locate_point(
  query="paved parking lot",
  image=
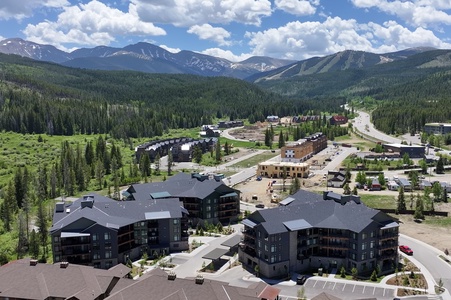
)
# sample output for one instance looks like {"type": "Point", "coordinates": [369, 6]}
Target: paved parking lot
{"type": "Point", "coordinates": [350, 290]}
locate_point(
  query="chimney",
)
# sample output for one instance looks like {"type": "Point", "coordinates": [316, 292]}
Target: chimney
{"type": "Point", "coordinates": [88, 201]}
{"type": "Point", "coordinates": [172, 275]}
{"type": "Point", "coordinates": [33, 262]}
{"type": "Point", "coordinates": [64, 264]}
{"type": "Point", "coordinates": [199, 279]}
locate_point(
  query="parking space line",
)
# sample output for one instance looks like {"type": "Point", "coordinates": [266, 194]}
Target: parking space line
{"type": "Point", "coordinates": [353, 288]}
{"type": "Point", "coordinates": [315, 283]}
{"type": "Point", "coordinates": [334, 286]}
{"type": "Point", "coordinates": [343, 287]}
{"type": "Point", "coordinates": [363, 292]}
{"type": "Point", "coordinates": [374, 290]}
{"type": "Point", "coordinates": [325, 282]}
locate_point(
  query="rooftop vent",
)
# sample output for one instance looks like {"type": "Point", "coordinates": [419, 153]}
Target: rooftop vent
{"type": "Point", "coordinates": [59, 207]}
{"type": "Point", "coordinates": [64, 264]}
{"type": "Point", "coordinates": [33, 262]}
{"type": "Point", "coordinates": [172, 275]}
{"type": "Point", "coordinates": [199, 279]}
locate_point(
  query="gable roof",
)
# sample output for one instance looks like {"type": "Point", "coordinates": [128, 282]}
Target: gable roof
{"type": "Point", "coordinates": [156, 283]}
{"type": "Point", "coordinates": [311, 209]}
{"type": "Point", "coordinates": [20, 279]}
{"type": "Point", "coordinates": [115, 214]}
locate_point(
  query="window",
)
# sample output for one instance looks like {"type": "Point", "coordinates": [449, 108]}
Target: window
{"type": "Point", "coordinates": [176, 237]}
{"type": "Point", "coordinates": [208, 215]}
{"type": "Point", "coordinates": [372, 254]}
{"type": "Point", "coordinates": [176, 221]}
{"type": "Point", "coordinates": [364, 235]}
{"type": "Point", "coordinates": [108, 264]}
{"type": "Point", "coordinates": [96, 256]}
{"type": "Point", "coordinates": [107, 236]}
{"type": "Point", "coordinates": [95, 237]}
{"type": "Point", "coordinates": [273, 248]}
{"type": "Point", "coordinates": [107, 254]}
{"type": "Point", "coordinates": [56, 239]}
{"type": "Point", "coordinates": [208, 208]}
{"type": "Point", "coordinates": [363, 255]}
{"type": "Point", "coordinates": [57, 258]}
{"type": "Point", "coordinates": [273, 258]}
{"type": "Point", "coordinates": [372, 244]}
{"type": "Point", "coordinates": [364, 246]}
{"type": "Point", "coordinates": [57, 249]}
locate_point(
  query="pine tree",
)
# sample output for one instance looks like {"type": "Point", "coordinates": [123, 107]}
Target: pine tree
{"type": "Point", "coordinates": [41, 223]}
{"type": "Point", "coordinates": [401, 203]}
{"type": "Point", "coordinates": [170, 162]}
{"type": "Point", "coordinates": [295, 186]}
{"type": "Point", "coordinates": [197, 154]}
{"type": "Point", "coordinates": [226, 148]}
{"type": "Point", "coordinates": [157, 162]}
{"type": "Point", "coordinates": [281, 140]}
{"type": "Point", "coordinates": [218, 152]}
{"type": "Point", "coordinates": [445, 195]}
{"type": "Point", "coordinates": [34, 245]}
{"type": "Point", "coordinates": [440, 169]}
{"type": "Point", "coordinates": [22, 243]}
{"type": "Point", "coordinates": [419, 209]}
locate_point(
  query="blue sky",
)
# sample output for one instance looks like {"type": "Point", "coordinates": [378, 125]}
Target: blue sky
{"type": "Point", "coordinates": [233, 29]}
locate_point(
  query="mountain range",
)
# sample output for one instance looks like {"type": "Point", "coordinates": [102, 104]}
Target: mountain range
{"type": "Point", "coordinates": [146, 57]}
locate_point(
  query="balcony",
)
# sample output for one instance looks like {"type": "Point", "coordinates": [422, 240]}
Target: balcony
{"type": "Point", "coordinates": [75, 251]}
{"type": "Point", "coordinates": [75, 241]}
{"type": "Point", "coordinates": [388, 245]}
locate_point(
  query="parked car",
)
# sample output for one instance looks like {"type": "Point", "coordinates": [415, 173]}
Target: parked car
{"type": "Point", "coordinates": [259, 178]}
{"type": "Point", "coordinates": [259, 205]}
{"type": "Point", "coordinates": [406, 249]}
{"type": "Point", "coordinates": [301, 279]}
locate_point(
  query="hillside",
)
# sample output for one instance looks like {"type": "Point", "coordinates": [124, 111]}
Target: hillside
{"type": "Point", "coordinates": [43, 97]}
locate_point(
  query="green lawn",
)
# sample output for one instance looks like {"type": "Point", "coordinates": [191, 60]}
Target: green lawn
{"type": "Point", "coordinates": [379, 201]}
{"type": "Point", "coordinates": [254, 160]}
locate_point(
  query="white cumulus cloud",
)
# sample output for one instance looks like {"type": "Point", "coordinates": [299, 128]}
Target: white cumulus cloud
{"type": "Point", "coordinates": [297, 40]}
{"type": "Point", "coordinates": [93, 23]}
{"type": "Point", "coordinates": [297, 7]}
{"type": "Point", "coordinates": [226, 54]}
{"type": "Point", "coordinates": [193, 12]}
{"type": "Point", "coordinates": [424, 13]}
{"type": "Point", "coordinates": [208, 32]}
{"type": "Point", "coordinates": [20, 9]}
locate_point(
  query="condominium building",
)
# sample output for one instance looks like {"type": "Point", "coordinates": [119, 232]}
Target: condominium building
{"type": "Point", "coordinates": [303, 149]}
{"type": "Point", "coordinates": [206, 198]}
{"type": "Point", "coordinates": [278, 169]}
{"type": "Point", "coordinates": [308, 231]}
{"type": "Point", "coordinates": [101, 232]}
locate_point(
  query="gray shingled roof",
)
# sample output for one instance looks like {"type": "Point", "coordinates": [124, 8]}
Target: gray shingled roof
{"type": "Point", "coordinates": [155, 285]}
{"type": "Point", "coordinates": [317, 212]}
{"type": "Point", "coordinates": [179, 185]}
{"type": "Point", "coordinates": [18, 279]}
{"type": "Point", "coordinates": [114, 214]}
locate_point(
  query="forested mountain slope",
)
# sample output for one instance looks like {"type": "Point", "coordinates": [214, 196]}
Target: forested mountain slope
{"type": "Point", "coordinates": [409, 92]}
{"type": "Point", "coordinates": [43, 97]}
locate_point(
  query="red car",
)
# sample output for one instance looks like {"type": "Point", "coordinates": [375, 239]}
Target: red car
{"type": "Point", "coordinates": [406, 250]}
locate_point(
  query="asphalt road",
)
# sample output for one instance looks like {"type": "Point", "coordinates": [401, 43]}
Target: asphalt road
{"type": "Point", "coordinates": [428, 257]}
{"type": "Point", "coordinates": [363, 124]}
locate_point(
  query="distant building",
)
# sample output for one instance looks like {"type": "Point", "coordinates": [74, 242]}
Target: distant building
{"type": "Point", "coordinates": [277, 169]}
{"type": "Point", "coordinates": [310, 231]}
{"type": "Point", "coordinates": [437, 128]}
{"type": "Point", "coordinates": [101, 232]}
{"type": "Point", "coordinates": [230, 124]}
{"type": "Point", "coordinates": [303, 119]}
{"type": "Point", "coordinates": [414, 151]}
{"type": "Point", "coordinates": [338, 120]}
{"type": "Point", "coordinates": [336, 179]}
{"type": "Point", "coordinates": [272, 119]}
{"type": "Point", "coordinates": [181, 148]}
{"type": "Point", "coordinates": [304, 149]}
